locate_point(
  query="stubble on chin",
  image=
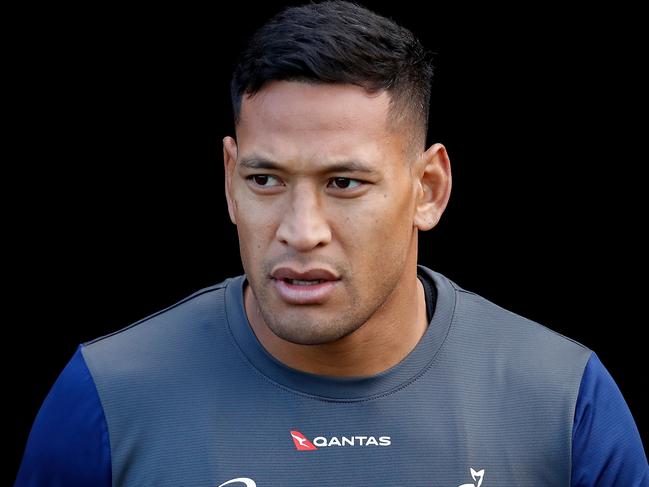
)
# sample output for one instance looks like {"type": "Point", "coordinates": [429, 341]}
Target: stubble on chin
{"type": "Point", "coordinates": [302, 326]}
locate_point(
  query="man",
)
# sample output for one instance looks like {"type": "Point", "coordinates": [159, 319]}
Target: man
{"type": "Point", "coordinates": [335, 359]}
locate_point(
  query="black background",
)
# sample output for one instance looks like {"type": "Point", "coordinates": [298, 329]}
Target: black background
{"type": "Point", "coordinates": [116, 206]}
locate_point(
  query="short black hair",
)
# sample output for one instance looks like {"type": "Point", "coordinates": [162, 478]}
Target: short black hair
{"type": "Point", "coordinates": [341, 42]}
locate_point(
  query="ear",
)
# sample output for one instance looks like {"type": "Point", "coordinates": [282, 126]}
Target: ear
{"type": "Point", "coordinates": [433, 171]}
{"type": "Point", "coordinates": [229, 163]}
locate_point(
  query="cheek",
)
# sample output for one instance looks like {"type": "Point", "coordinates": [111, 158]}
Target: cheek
{"type": "Point", "coordinates": [381, 229]}
{"type": "Point", "coordinates": [252, 232]}
{"type": "Point", "coordinates": [388, 215]}
{"type": "Point", "coordinates": [249, 211]}
{"type": "Point", "coordinates": [255, 224]}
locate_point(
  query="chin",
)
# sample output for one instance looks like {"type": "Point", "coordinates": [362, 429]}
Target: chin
{"type": "Point", "coordinates": [307, 337]}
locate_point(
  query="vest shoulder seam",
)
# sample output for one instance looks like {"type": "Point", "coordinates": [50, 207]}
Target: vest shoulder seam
{"type": "Point", "coordinates": [206, 290]}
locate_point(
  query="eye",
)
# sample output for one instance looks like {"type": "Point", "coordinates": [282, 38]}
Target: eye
{"type": "Point", "coordinates": [345, 183]}
{"type": "Point", "coordinates": [263, 180]}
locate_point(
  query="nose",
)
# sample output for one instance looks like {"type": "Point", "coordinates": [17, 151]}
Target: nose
{"type": "Point", "coordinates": [304, 224]}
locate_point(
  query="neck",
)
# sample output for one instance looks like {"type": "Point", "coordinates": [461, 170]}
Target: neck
{"type": "Point", "coordinates": [380, 343]}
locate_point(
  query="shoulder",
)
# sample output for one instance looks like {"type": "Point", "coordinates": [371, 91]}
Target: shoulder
{"type": "Point", "coordinates": [69, 442]}
{"type": "Point", "coordinates": [174, 345]}
{"type": "Point", "coordinates": [498, 341]}
{"type": "Point", "coordinates": [492, 322]}
{"type": "Point", "coordinates": [606, 443]}
{"type": "Point", "coordinates": [163, 328]}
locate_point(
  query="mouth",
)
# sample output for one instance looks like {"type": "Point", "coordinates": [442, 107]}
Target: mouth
{"type": "Point", "coordinates": [313, 286]}
{"type": "Point", "coordinates": [300, 282]}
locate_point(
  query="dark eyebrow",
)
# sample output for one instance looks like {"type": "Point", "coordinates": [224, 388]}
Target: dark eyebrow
{"type": "Point", "coordinates": [257, 163]}
{"type": "Point", "coordinates": [347, 166]}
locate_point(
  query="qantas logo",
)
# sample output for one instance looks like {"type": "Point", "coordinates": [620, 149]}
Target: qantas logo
{"type": "Point", "coordinates": [302, 442]}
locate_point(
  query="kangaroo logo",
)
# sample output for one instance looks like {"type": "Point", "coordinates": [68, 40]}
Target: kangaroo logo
{"type": "Point", "coordinates": [301, 441]}
{"type": "Point", "coordinates": [477, 476]}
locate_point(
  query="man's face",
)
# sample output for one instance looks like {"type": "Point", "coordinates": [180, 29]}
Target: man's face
{"type": "Point", "coordinates": [351, 227]}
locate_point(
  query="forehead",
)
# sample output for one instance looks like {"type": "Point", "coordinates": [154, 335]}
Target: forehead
{"type": "Point", "coordinates": [286, 118]}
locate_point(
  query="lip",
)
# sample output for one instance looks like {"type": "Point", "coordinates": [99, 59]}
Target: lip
{"type": "Point", "coordinates": [317, 273]}
{"type": "Point", "coordinates": [296, 294]}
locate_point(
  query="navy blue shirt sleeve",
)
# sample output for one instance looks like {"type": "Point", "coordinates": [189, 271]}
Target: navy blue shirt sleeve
{"type": "Point", "coordinates": [68, 444]}
{"type": "Point", "coordinates": [606, 445]}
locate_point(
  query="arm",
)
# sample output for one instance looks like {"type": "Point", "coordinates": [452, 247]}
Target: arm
{"type": "Point", "coordinates": [606, 445]}
{"type": "Point", "coordinates": [68, 444]}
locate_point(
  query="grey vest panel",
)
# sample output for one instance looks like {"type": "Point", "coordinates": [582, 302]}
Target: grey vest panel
{"type": "Point", "coordinates": [192, 400]}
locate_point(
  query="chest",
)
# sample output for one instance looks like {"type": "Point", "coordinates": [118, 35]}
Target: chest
{"type": "Point", "coordinates": [280, 440]}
